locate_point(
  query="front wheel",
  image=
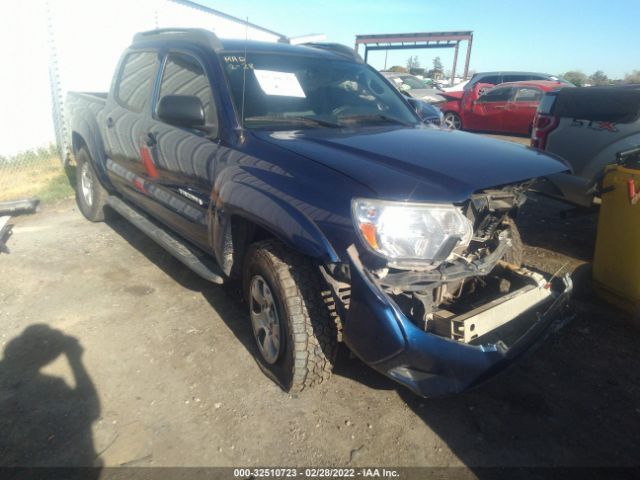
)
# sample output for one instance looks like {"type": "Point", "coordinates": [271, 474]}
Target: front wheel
{"type": "Point", "coordinates": [452, 120]}
{"type": "Point", "coordinates": [295, 337]}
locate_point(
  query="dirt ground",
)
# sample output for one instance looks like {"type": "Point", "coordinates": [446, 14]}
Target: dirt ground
{"type": "Point", "coordinates": [111, 346]}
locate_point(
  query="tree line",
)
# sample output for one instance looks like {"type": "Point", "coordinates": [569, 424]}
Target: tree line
{"type": "Point", "coordinates": [598, 78]}
{"type": "Point", "coordinates": [577, 77]}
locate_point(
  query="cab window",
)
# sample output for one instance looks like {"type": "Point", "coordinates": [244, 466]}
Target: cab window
{"type": "Point", "coordinates": [183, 75]}
{"type": "Point", "coordinates": [135, 80]}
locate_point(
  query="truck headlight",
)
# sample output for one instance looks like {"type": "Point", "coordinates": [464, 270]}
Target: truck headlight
{"type": "Point", "coordinates": [411, 234]}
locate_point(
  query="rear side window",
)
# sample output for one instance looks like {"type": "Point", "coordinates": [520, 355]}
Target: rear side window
{"type": "Point", "coordinates": [135, 81]}
{"type": "Point", "coordinates": [492, 79]}
{"type": "Point", "coordinates": [183, 75]}
{"type": "Point", "coordinates": [518, 78]}
{"type": "Point", "coordinates": [541, 77]}
{"type": "Point", "coordinates": [528, 95]}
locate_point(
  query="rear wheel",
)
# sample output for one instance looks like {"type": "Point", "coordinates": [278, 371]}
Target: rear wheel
{"type": "Point", "coordinates": [452, 120]}
{"type": "Point", "coordinates": [91, 196]}
{"type": "Point", "coordinates": [295, 337]}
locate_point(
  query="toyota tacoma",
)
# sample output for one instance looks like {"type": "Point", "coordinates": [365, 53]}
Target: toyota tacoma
{"type": "Point", "coordinates": [303, 173]}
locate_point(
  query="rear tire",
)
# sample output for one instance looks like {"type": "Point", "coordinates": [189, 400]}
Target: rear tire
{"type": "Point", "coordinates": [296, 340]}
{"type": "Point", "coordinates": [452, 120]}
{"type": "Point", "coordinates": [91, 196]}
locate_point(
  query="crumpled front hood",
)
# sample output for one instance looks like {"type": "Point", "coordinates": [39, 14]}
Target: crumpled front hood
{"type": "Point", "coordinates": [418, 164]}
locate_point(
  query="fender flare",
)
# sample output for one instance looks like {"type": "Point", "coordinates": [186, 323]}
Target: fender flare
{"type": "Point", "coordinates": [88, 132]}
{"type": "Point", "coordinates": [269, 211]}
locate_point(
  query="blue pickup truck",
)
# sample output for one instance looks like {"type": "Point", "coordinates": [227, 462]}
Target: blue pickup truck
{"type": "Point", "coordinates": [303, 173]}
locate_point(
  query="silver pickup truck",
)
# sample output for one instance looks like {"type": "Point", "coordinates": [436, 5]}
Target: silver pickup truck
{"type": "Point", "coordinates": [589, 128]}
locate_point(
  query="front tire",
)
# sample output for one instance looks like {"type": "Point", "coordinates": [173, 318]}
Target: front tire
{"type": "Point", "coordinates": [452, 120]}
{"type": "Point", "coordinates": [91, 196]}
{"type": "Point", "coordinates": [296, 339]}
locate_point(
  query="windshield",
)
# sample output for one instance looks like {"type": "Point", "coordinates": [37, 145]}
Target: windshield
{"type": "Point", "coordinates": [413, 82]}
{"type": "Point", "coordinates": [292, 92]}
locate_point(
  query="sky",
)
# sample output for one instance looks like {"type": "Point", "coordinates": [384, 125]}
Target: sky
{"type": "Point", "coordinates": [550, 36]}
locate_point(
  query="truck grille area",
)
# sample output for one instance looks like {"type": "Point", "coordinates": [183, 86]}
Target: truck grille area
{"type": "Point", "coordinates": [447, 300]}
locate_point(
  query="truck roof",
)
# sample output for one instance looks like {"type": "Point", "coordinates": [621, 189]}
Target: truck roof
{"type": "Point", "coordinates": [208, 39]}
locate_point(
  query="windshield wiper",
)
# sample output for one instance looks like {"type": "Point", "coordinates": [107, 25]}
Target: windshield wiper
{"type": "Point", "coordinates": [375, 117]}
{"type": "Point", "coordinates": [295, 119]}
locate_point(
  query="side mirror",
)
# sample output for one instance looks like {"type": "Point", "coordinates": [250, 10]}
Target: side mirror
{"type": "Point", "coordinates": [181, 110]}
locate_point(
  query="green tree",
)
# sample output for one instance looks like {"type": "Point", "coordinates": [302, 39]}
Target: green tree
{"type": "Point", "coordinates": [599, 78]}
{"type": "Point", "coordinates": [633, 77]}
{"type": "Point", "coordinates": [576, 77]}
{"type": "Point", "coordinates": [413, 62]}
{"type": "Point", "coordinates": [398, 69]}
{"type": "Point", "coordinates": [437, 65]}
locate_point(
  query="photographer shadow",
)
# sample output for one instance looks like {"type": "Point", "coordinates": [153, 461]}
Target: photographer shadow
{"type": "Point", "coordinates": [44, 421]}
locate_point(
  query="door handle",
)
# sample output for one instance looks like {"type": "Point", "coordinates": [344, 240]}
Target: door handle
{"type": "Point", "coordinates": [110, 122]}
{"type": "Point", "coordinates": [150, 139]}
{"type": "Point", "coordinates": [499, 107]}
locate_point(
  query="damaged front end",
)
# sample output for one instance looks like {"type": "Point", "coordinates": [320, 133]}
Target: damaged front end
{"type": "Point", "coordinates": [443, 325]}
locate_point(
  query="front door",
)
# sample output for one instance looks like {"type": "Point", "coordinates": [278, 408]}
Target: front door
{"type": "Point", "coordinates": [520, 110]}
{"type": "Point", "coordinates": [185, 158]}
{"type": "Point", "coordinates": [487, 111]}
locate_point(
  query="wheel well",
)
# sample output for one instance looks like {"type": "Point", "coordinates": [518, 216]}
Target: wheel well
{"type": "Point", "coordinates": [240, 234]}
{"type": "Point", "coordinates": [77, 142]}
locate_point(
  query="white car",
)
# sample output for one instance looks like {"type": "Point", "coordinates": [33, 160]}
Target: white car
{"type": "Point", "coordinates": [458, 87]}
{"type": "Point", "coordinates": [416, 88]}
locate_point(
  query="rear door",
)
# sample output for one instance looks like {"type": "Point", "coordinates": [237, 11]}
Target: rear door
{"type": "Point", "coordinates": [520, 110]}
{"type": "Point", "coordinates": [127, 114]}
{"type": "Point", "coordinates": [488, 110]}
{"type": "Point", "coordinates": [185, 158]}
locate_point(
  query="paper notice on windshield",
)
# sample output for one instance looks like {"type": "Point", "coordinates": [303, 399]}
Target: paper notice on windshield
{"type": "Point", "coordinates": [285, 84]}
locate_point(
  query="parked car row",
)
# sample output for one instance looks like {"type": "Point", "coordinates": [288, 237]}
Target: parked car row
{"type": "Point", "coordinates": [506, 108]}
{"type": "Point", "coordinates": [501, 102]}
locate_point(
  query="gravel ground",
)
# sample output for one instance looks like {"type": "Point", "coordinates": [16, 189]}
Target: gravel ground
{"type": "Point", "coordinates": [114, 354]}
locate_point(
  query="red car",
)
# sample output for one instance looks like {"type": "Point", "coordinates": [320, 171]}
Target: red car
{"type": "Point", "coordinates": [506, 108]}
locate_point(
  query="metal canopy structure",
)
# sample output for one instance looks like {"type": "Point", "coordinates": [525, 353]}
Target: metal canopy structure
{"type": "Point", "coordinates": [407, 41]}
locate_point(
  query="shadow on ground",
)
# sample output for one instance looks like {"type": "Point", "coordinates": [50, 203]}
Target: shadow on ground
{"type": "Point", "coordinates": [43, 420]}
{"type": "Point", "coordinates": [575, 401]}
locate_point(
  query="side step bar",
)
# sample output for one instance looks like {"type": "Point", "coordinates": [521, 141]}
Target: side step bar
{"type": "Point", "coordinates": [190, 256]}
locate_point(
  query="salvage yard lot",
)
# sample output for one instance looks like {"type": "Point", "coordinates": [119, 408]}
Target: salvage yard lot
{"type": "Point", "coordinates": [174, 382]}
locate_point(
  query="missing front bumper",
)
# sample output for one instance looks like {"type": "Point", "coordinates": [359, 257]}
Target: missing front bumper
{"type": "Point", "coordinates": [486, 318]}
{"type": "Point", "coordinates": [378, 332]}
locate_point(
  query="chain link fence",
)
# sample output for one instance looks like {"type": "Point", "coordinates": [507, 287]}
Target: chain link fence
{"type": "Point", "coordinates": [35, 173]}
